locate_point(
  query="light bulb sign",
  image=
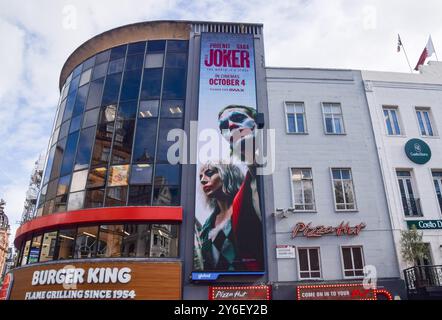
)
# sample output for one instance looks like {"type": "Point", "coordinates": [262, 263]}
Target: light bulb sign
{"type": "Point", "coordinates": [418, 151]}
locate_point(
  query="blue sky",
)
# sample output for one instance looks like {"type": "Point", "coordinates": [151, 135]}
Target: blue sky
{"type": "Point", "coordinates": [38, 36]}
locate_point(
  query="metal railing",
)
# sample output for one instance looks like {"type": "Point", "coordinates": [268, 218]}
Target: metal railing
{"type": "Point", "coordinates": [419, 278]}
{"type": "Point", "coordinates": [412, 207]}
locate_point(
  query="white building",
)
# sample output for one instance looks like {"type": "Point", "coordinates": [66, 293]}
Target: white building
{"type": "Point", "coordinates": [404, 107]}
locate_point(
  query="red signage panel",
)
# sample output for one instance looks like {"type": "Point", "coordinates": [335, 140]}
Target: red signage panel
{"type": "Point", "coordinates": [348, 291]}
{"type": "Point", "coordinates": [240, 293]}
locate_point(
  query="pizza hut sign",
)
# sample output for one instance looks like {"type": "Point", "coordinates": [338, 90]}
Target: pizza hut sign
{"type": "Point", "coordinates": [310, 231]}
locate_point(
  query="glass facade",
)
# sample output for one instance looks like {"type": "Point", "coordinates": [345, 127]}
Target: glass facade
{"type": "Point", "coordinates": [109, 145]}
{"type": "Point", "coordinates": [102, 241]}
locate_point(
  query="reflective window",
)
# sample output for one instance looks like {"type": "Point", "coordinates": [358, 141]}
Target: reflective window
{"type": "Point", "coordinates": [333, 119]}
{"type": "Point", "coordinates": [111, 89]}
{"type": "Point", "coordinates": [140, 195]}
{"type": "Point", "coordinates": [151, 85]}
{"type": "Point", "coordinates": [103, 138]}
{"type": "Point", "coordinates": [165, 241]}
{"type": "Point", "coordinates": [134, 62]}
{"type": "Point", "coordinates": [91, 117]}
{"type": "Point", "coordinates": [174, 83]}
{"type": "Point", "coordinates": [110, 241]}
{"type": "Point", "coordinates": [65, 244]}
{"type": "Point", "coordinates": [85, 77]}
{"type": "Point", "coordinates": [89, 63]}
{"type": "Point", "coordinates": [60, 203]}
{"type": "Point", "coordinates": [77, 70]}
{"type": "Point", "coordinates": [166, 174]}
{"type": "Point", "coordinates": [295, 117]}
{"type": "Point", "coordinates": [118, 52]}
{"type": "Point", "coordinates": [94, 198]}
{"type": "Point", "coordinates": [99, 71]}
{"type": "Point", "coordinates": [302, 189]}
{"type": "Point", "coordinates": [80, 102]}
{"type": "Point", "coordinates": [76, 200]}
{"type": "Point", "coordinates": [131, 85]}
{"type": "Point", "coordinates": [58, 157]}
{"type": "Point", "coordinates": [63, 185]}
{"type": "Point", "coordinates": [122, 148]}
{"type": "Point", "coordinates": [60, 113]}
{"type": "Point", "coordinates": [84, 148]}
{"type": "Point", "coordinates": [50, 160]}
{"type": "Point", "coordinates": [48, 246]}
{"type": "Point", "coordinates": [154, 60]}
{"type": "Point", "coordinates": [177, 45]}
{"type": "Point", "coordinates": [116, 66]}
{"type": "Point", "coordinates": [34, 252]}
{"type": "Point", "coordinates": [52, 189]}
{"type": "Point", "coordinates": [141, 174]}
{"type": "Point", "coordinates": [69, 154]}
{"type": "Point", "coordinates": [172, 108]}
{"type": "Point", "coordinates": [96, 178]}
{"type": "Point", "coordinates": [24, 259]}
{"type": "Point", "coordinates": [64, 130]}
{"type": "Point", "coordinates": [144, 148]}
{"type": "Point", "coordinates": [118, 176]}
{"type": "Point", "coordinates": [116, 196]}
{"type": "Point", "coordinates": [94, 98]}
{"type": "Point", "coordinates": [343, 189]}
{"type": "Point", "coordinates": [156, 45]}
{"type": "Point", "coordinates": [136, 47]}
{"type": "Point", "coordinates": [127, 110]}
{"type": "Point", "coordinates": [163, 145]}
{"type": "Point", "coordinates": [148, 108]}
{"type": "Point", "coordinates": [166, 196]}
{"type": "Point", "coordinates": [79, 180]}
{"type": "Point", "coordinates": [176, 60]}
{"type": "Point", "coordinates": [75, 123]}
{"type": "Point", "coordinates": [86, 242]}
{"type": "Point", "coordinates": [108, 113]}
{"type": "Point", "coordinates": [102, 57]}
{"type": "Point", "coordinates": [70, 101]}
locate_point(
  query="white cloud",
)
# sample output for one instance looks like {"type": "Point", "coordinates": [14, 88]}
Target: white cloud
{"type": "Point", "coordinates": [316, 33]}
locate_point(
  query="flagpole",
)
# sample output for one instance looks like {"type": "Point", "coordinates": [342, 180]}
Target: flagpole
{"type": "Point", "coordinates": [406, 57]}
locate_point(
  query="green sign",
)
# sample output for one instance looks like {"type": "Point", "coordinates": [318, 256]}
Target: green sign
{"type": "Point", "coordinates": [425, 224]}
{"type": "Point", "coordinates": [418, 151]}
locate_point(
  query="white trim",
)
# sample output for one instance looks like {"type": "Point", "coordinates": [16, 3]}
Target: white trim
{"type": "Point", "coordinates": [304, 117]}
{"type": "Point", "coordinates": [355, 209]}
{"type": "Point", "coordinates": [292, 190]}
{"type": "Point", "coordinates": [352, 260]}
{"type": "Point", "coordinates": [344, 132]}
{"type": "Point", "coordinates": [308, 260]}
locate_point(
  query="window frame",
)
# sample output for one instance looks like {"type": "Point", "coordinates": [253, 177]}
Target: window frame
{"type": "Point", "coordinates": [292, 190]}
{"type": "Point", "coordinates": [438, 204]}
{"type": "Point", "coordinates": [355, 209]}
{"type": "Point", "coordinates": [304, 115]}
{"type": "Point", "coordinates": [341, 247]}
{"type": "Point", "coordinates": [399, 121]}
{"type": "Point", "coordinates": [430, 118]}
{"type": "Point", "coordinates": [415, 189]}
{"type": "Point", "coordinates": [309, 264]}
{"type": "Point", "coordinates": [344, 131]}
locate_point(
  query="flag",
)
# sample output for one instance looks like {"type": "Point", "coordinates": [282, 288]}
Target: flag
{"type": "Point", "coordinates": [399, 43]}
{"type": "Point", "coordinates": [428, 51]}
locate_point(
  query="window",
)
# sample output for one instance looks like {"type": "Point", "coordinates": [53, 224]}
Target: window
{"type": "Point", "coordinates": [24, 259]}
{"type": "Point", "coordinates": [84, 149]}
{"type": "Point", "coordinates": [148, 109]}
{"type": "Point", "coordinates": [111, 88]}
{"type": "Point", "coordinates": [174, 83]}
{"type": "Point", "coordinates": [136, 47]}
{"type": "Point", "coordinates": [79, 181]}
{"type": "Point", "coordinates": [144, 148]}
{"type": "Point", "coordinates": [110, 241]}
{"type": "Point", "coordinates": [69, 154]}
{"type": "Point", "coordinates": [99, 71]}
{"type": "Point", "coordinates": [295, 117]}
{"type": "Point", "coordinates": [122, 145]}
{"type": "Point", "coordinates": [154, 60]}
{"type": "Point", "coordinates": [333, 120]}
{"type": "Point", "coordinates": [302, 189]}
{"type": "Point", "coordinates": [94, 198]}
{"type": "Point", "coordinates": [151, 84]}
{"type": "Point", "coordinates": [96, 178]}
{"type": "Point", "coordinates": [48, 247]}
{"type": "Point", "coordinates": [86, 242]}
{"type": "Point", "coordinates": [116, 66]}
{"type": "Point", "coordinates": [85, 77]}
{"type": "Point", "coordinates": [425, 120]}
{"type": "Point", "coordinates": [140, 195]}
{"type": "Point", "coordinates": [391, 115]}
{"type": "Point", "coordinates": [343, 189]}
{"type": "Point", "coordinates": [172, 108]}
{"type": "Point", "coordinates": [309, 263]}
{"type": "Point", "coordinates": [118, 52]}
{"type": "Point", "coordinates": [437, 179]}
{"type": "Point", "coordinates": [353, 261]}
{"type": "Point", "coordinates": [410, 203]}
{"type": "Point", "coordinates": [34, 252]}
{"type": "Point", "coordinates": [118, 176]}
{"type": "Point", "coordinates": [116, 197]}
{"type": "Point", "coordinates": [76, 200]}
{"type": "Point", "coordinates": [131, 85]}
{"type": "Point", "coordinates": [141, 174]}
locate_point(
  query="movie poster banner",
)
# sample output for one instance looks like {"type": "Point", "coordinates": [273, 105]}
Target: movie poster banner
{"type": "Point", "coordinates": [228, 222]}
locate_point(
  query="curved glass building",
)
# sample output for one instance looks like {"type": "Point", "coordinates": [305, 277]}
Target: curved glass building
{"type": "Point", "coordinates": [109, 197]}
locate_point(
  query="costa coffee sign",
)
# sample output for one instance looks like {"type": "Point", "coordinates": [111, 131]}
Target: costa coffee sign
{"type": "Point", "coordinates": [240, 293]}
{"type": "Point", "coordinates": [310, 231]}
